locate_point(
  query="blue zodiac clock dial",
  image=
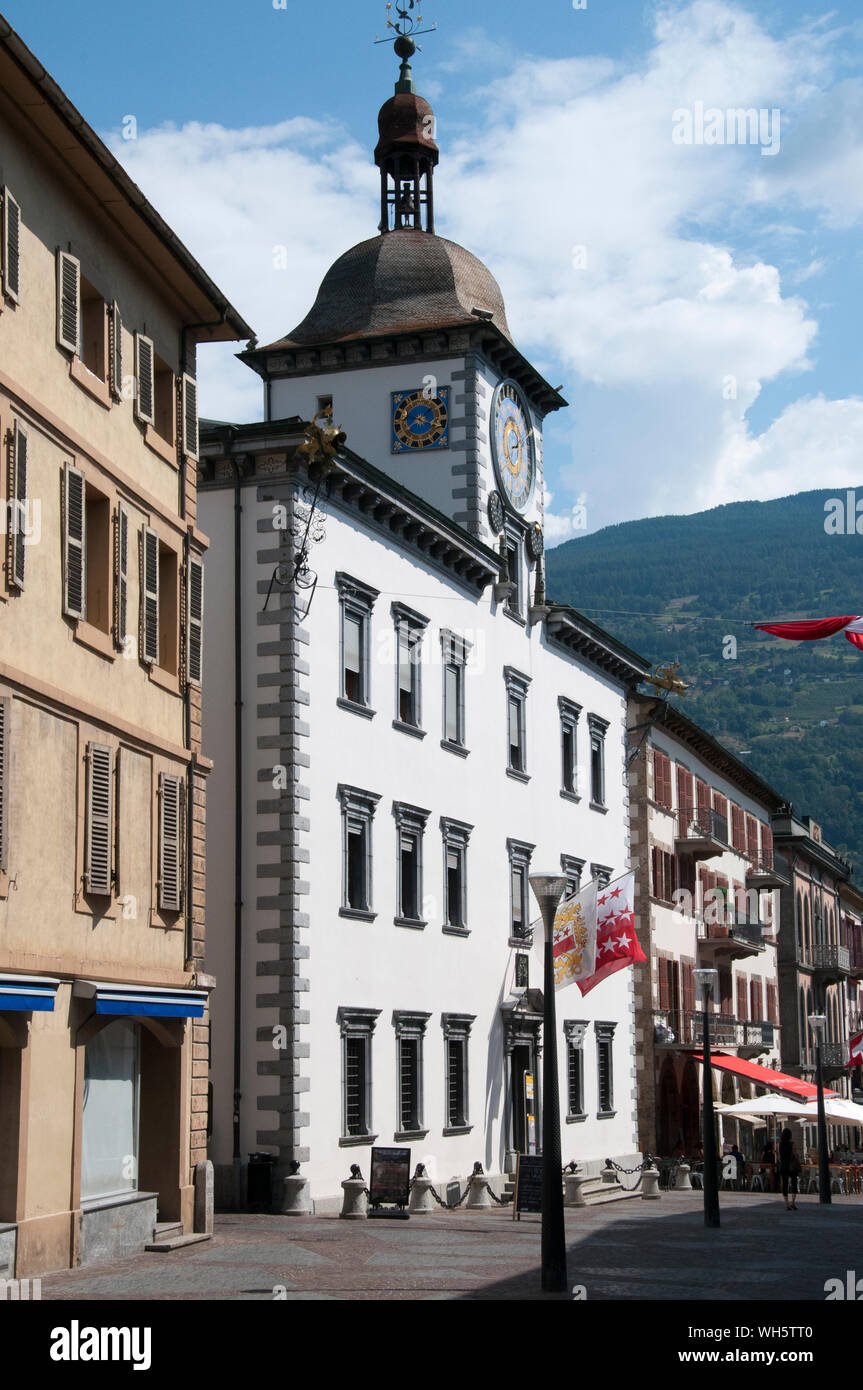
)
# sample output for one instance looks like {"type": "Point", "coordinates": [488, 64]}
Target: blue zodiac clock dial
{"type": "Point", "coordinates": [420, 420]}
{"type": "Point", "coordinates": [512, 445]}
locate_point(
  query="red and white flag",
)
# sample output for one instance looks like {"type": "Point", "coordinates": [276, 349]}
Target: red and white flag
{"type": "Point", "coordinates": [616, 942]}
{"type": "Point", "coordinates": [574, 939]}
{"type": "Point", "coordinates": [855, 1050]}
{"type": "Point", "coordinates": [816, 630]}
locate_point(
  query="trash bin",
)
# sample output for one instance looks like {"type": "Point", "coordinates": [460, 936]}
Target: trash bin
{"type": "Point", "coordinates": [260, 1187]}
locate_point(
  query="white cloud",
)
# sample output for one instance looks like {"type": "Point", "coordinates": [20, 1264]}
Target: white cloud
{"type": "Point", "coordinates": [671, 305]}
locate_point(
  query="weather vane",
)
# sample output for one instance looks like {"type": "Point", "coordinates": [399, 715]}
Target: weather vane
{"type": "Point", "coordinates": [406, 24]}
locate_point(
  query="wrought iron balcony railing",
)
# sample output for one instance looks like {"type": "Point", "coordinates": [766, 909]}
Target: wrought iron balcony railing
{"type": "Point", "coordinates": [693, 824]}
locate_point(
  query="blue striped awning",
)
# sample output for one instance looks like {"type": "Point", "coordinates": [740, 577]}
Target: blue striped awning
{"type": "Point", "coordinates": [143, 1001]}
{"type": "Point", "coordinates": [27, 992]}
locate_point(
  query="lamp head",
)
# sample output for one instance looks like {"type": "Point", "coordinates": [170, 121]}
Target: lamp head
{"type": "Point", "coordinates": [707, 981]}
{"type": "Point", "coordinates": [818, 1022]}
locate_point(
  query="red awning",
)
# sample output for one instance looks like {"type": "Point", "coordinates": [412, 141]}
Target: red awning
{"type": "Point", "coordinates": [765, 1076]}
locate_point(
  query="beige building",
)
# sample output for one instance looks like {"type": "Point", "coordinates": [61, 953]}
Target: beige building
{"type": "Point", "coordinates": [103, 1006]}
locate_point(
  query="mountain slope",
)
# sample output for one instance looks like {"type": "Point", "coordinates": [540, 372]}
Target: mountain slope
{"type": "Point", "coordinates": [687, 588]}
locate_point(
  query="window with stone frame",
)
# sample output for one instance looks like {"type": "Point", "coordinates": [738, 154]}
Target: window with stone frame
{"type": "Point", "coordinates": [356, 603]}
{"type": "Point", "coordinates": [410, 828]}
{"type": "Point", "coordinates": [574, 1031]}
{"type": "Point", "coordinates": [519, 869]}
{"type": "Point", "coordinates": [455, 654]}
{"type": "Point", "coordinates": [517, 686]}
{"type": "Point", "coordinates": [456, 837]}
{"type": "Point", "coordinates": [410, 629]}
{"type": "Point", "coordinates": [410, 1034]}
{"type": "Point", "coordinates": [456, 1032]}
{"type": "Point", "coordinates": [357, 1028]}
{"type": "Point", "coordinates": [598, 729]}
{"type": "Point", "coordinates": [572, 869]}
{"type": "Point", "coordinates": [569, 712]}
{"type": "Point", "coordinates": [605, 1068]}
{"type": "Point", "coordinates": [358, 810]}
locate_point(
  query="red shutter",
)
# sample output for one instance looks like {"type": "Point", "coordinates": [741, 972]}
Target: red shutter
{"type": "Point", "coordinates": [702, 794]}
{"type": "Point", "coordinates": [684, 789]}
{"type": "Point", "coordinates": [663, 984]}
{"type": "Point", "coordinates": [756, 1012]}
{"type": "Point", "coordinates": [771, 1003]}
{"type": "Point", "coordinates": [661, 778]}
{"type": "Point", "coordinates": [688, 988]}
{"type": "Point", "coordinates": [752, 839]}
{"type": "Point", "coordinates": [741, 999]}
{"type": "Point", "coordinates": [685, 876]}
{"type": "Point", "coordinates": [655, 872]}
{"type": "Point", "coordinates": [738, 828]}
{"type": "Point", "coordinates": [767, 846]}
{"type": "Point", "coordinates": [725, 992]}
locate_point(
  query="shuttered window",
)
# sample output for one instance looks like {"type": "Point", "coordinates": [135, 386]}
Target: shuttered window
{"type": "Point", "coordinates": [68, 301]}
{"type": "Point", "coordinates": [742, 1011]}
{"type": "Point", "coordinates": [725, 997]}
{"type": "Point", "coordinates": [100, 820]}
{"type": "Point", "coordinates": [145, 394]}
{"type": "Point", "coordinates": [702, 796]}
{"type": "Point", "coordinates": [194, 621]}
{"type": "Point", "coordinates": [11, 248]}
{"type": "Point", "coordinates": [752, 839]}
{"type": "Point", "coordinates": [149, 595]}
{"type": "Point", "coordinates": [121, 576]}
{"type": "Point", "coordinates": [738, 829]}
{"type": "Point", "coordinates": [115, 351]}
{"type": "Point", "coordinates": [661, 779]}
{"type": "Point", "coordinates": [664, 881]}
{"type": "Point", "coordinates": [5, 744]}
{"type": "Point", "coordinates": [684, 789]}
{"type": "Point", "coordinates": [755, 995]}
{"type": "Point", "coordinates": [688, 987]}
{"type": "Point", "coordinates": [772, 1016]}
{"type": "Point", "coordinates": [190, 416]}
{"type": "Point", "coordinates": [684, 869]}
{"type": "Point", "coordinates": [74, 544]}
{"type": "Point", "coordinates": [170, 836]}
{"type": "Point", "coordinates": [766, 846]}
{"type": "Point", "coordinates": [18, 511]}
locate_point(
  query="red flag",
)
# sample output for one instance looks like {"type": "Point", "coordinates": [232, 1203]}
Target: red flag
{"type": "Point", "coordinates": [855, 1049]}
{"type": "Point", "coordinates": [616, 943]}
{"type": "Point", "coordinates": [815, 630]}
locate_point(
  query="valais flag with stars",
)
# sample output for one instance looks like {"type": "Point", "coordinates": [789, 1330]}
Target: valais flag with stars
{"type": "Point", "coordinates": [855, 1048]}
{"type": "Point", "coordinates": [616, 943]}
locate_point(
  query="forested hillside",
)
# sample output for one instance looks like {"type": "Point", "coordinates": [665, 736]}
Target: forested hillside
{"type": "Point", "coordinates": [687, 588]}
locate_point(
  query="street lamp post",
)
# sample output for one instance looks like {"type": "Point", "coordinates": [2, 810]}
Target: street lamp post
{"type": "Point", "coordinates": [818, 1022]}
{"type": "Point", "coordinates": [548, 890]}
{"type": "Point", "coordinates": [707, 980]}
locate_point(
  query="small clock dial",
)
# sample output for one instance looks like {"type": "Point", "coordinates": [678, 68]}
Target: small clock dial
{"type": "Point", "coordinates": [513, 445]}
{"type": "Point", "coordinates": [420, 421]}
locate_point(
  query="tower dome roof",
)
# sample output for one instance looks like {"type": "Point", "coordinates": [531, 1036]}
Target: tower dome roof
{"type": "Point", "coordinates": [406, 120]}
{"type": "Point", "coordinates": [403, 281]}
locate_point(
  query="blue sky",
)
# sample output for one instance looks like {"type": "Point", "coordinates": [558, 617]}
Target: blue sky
{"type": "Point", "coordinates": [707, 335]}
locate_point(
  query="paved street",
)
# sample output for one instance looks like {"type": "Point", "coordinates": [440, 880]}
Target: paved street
{"type": "Point", "coordinates": [627, 1250]}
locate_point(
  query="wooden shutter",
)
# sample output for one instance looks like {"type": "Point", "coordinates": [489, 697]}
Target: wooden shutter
{"type": "Point", "coordinates": [68, 301]}
{"type": "Point", "coordinates": [18, 514]}
{"type": "Point", "coordinates": [702, 794]}
{"type": "Point", "coordinates": [170, 834]}
{"type": "Point", "coordinates": [149, 595]}
{"type": "Point", "coordinates": [5, 744]}
{"type": "Point", "coordinates": [194, 621]}
{"type": "Point", "coordinates": [771, 1003]}
{"type": "Point", "coordinates": [688, 979]}
{"type": "Point", "coordinates": [121, 575]}
{"type": "Point", "coordinates": [145, 395]}
{"type": "Point", "coordinates": [684, 789]}
{"type": "Point", "coordinates": [661, 778]}
{"type": "Point", "coordinates": [190, 416]}
{"type": "Point", "coordinates": [738, 829]}
{"type": "Point", "coordinates": [664, 992]}
{"type": "Point", "coordinates": [752, 839]}
{"type": "Point", "coordinates": [11, 251]}
{"type": "Point", "coordinates": [725, 1004]}
{"type": "Point", "coordinates": [766, 846]}
{"type": "Point", "coordinates": [656, 871]}
{"type": "Point", "coordinates": [755, 1011]}
{"type": "Point", "coordinates": [98, 836]}
{"type": "Point", "coordinates": [685, 875]}
{"type": "Point", "coordinates": [74, 543]}
{"type": "Point", "coordinates": [741, 1000]}
{"type": "Point", "coordinates": [115, 351]}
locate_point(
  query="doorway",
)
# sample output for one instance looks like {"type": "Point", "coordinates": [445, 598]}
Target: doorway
{"type": "Point", "coordinates": [521, 1066]}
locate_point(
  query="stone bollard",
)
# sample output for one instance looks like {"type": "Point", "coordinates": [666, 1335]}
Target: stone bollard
{"type": "Point", "coordinates": [421, 1203]}
{"type": "Point", "coordinates": [355, 1203]}
{"type": "Point", "coordinates": [682, 1180]}
{"type": "Point", "coordinates": [478, 1197]}
{"type": "Point", "coordinates": [295, 1193]}
{"type": "Point", "coordinates": [204, 1197]}
{"type": "Point", "coordinates": [650, 1184]}
{"type": "Point", "coordinates": [574, 1195]}
{"type": "Point", "coordinates": [609, 1173]}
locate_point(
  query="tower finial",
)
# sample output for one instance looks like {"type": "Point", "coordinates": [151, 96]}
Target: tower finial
{"type": "Point", "coordinates": [404, 41]}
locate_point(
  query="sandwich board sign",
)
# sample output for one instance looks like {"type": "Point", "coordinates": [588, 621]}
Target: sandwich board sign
{"type": "Point", "coordinates": [528, 1185]}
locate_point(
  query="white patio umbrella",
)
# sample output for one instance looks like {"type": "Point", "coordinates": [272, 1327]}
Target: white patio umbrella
{"type": "Point", "coordinates": [768, 1105]}
{"type": "Point", "coordinates": [837, 1111]}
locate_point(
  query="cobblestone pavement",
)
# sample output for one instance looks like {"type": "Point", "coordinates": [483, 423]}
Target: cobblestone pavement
{"type": "Point", "coordinates": [630, 1250]}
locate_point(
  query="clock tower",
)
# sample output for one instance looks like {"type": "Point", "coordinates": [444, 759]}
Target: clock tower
{"type": "Point", "coordinates": [408, 340]}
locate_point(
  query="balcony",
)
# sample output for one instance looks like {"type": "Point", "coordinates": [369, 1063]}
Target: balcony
{"type": "Point", "coordinates": [829, 962]}
{"type": "Point", "coordinates": [674, 1028]}
{"type": "Point", "coordinates": [700, 834]}
{"type": "Point", "coordinates": [855, 958]}
{"type": "Point", "coordinates": [762, 873]}
{"type": "Point", "coordinates": [735, 938]}
{"type": "Point", "coordinates": [757, 1038]}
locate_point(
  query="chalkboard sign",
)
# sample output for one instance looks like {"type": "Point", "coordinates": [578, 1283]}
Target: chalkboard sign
{"type": "Point", "coordinates": [391, 1176]}
{"type": "Point", "coordinates": [528, 1185]}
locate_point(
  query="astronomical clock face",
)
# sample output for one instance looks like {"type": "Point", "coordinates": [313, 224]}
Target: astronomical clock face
{"type": "Point", "coordinates": [513, 445]}
{"type": "Point", "coordinates": [420, 421]}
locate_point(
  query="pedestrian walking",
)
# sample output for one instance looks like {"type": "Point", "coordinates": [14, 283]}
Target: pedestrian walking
{"type": "Point", "coordinates": [789, 1168]}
